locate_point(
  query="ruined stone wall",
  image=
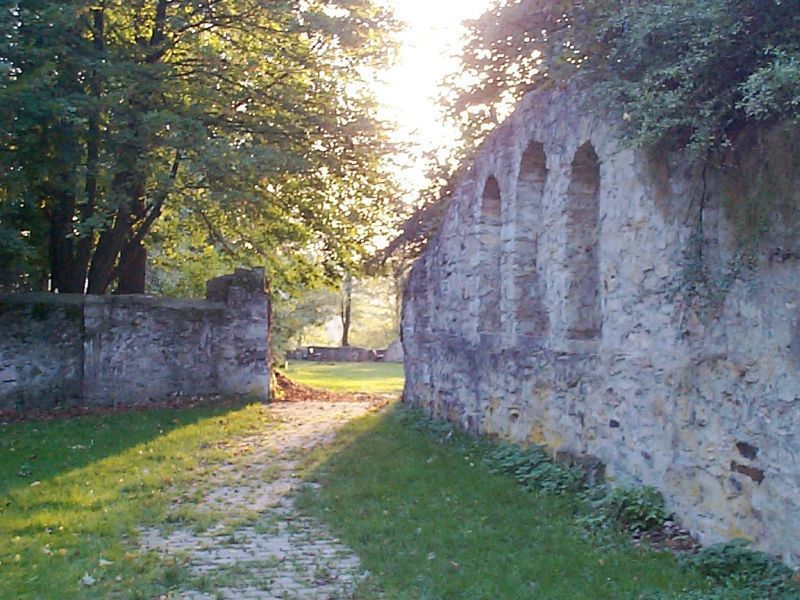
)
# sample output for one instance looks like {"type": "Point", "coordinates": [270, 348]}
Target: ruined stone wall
{"type": "Point", "coordinates": [333, 354]}
{"type": "Point", "coordinates": [595, 299]}
{"type": "Point", "coordinates": [41, 349]}
{"type": "Point", "coordinates": [75, 350]}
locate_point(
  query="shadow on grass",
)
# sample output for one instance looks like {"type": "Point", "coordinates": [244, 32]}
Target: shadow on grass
{"type": "Point", "coordinates": [429, 520]}
{"type": "Point", "coordinates": [40, 450]}
{"type": "Point", "coordinates": [75, 493]}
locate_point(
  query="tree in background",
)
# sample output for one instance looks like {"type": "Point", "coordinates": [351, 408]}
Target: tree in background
{"type": "Point", "coordinates": [218, 131]}
{"type": "Point", "coordinates": [346, 308]}
{"type": "Point", "coordinates": [313, 317]}
{"type": "Point", "coordinates": [376, 312]}
{"type": "Point", "coordinates": [294, 317]}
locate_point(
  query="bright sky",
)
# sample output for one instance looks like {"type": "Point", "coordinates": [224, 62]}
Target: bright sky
{"type": "Point", "coordinates": [429, 50]}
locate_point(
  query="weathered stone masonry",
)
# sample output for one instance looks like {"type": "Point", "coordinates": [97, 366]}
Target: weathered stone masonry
{"type": "Point", "coordinates": [554, 307]}
{"type": "Point", "coordinates": [130, 350]}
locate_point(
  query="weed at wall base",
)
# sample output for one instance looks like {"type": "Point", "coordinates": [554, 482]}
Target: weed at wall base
{"type": "Point", "coordinates": [735, 571]}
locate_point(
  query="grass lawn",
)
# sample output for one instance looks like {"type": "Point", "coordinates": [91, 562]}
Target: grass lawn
{"type": "Point", "coordinates": [73, 493]}
{"type": "Point", "coordinates": [430, 521]}
{"type": "Point", "coordinates": [371, 377]}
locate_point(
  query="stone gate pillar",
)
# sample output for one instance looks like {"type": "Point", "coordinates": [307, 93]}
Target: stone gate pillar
{"type": "Point", "coordinates": [243, 345]}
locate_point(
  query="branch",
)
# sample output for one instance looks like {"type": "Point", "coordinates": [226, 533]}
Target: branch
{"type": "Point", "coordinates": [152, 215]}
{"type": "Point", "coordinates": [214, 232]}
{"type": "Point", "coordinates": [158, 204]}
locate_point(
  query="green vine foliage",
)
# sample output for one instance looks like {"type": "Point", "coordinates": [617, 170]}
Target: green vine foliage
{"type": "Point", "coordinates": [685, 73]}
{"type": "Point", "coordinates": [756, 182]}
{"type": "Point", "coordinates": [693, 74]}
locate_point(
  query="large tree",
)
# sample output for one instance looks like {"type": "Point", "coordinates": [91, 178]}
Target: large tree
{"type": "Point", "coordinates": [242, 125]}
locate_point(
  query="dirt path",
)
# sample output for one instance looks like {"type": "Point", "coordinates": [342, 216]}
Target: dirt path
{"type": "Point", "coordinates": [259, 547]}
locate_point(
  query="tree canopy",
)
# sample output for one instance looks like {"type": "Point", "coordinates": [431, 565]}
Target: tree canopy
{"type": "Point", "coordinates": [213, 132]}
{"type": "Point", "coordinates": [683, 74]}
{"type": "Point", "coordinates": [687, 73]}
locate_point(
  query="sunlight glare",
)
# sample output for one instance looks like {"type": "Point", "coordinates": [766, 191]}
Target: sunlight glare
{"type": "Point", "coordinates": [429, 51]}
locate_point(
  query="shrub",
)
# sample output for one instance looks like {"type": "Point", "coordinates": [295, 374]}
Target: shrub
{"type": "Point", "coordinates": [533, 469]}
{"type": "Point", "coordinates": [628, 508]}
{"type": "Point", "coordinates": [735, 564]}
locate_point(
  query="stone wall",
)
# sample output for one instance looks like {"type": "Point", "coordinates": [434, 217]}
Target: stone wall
{"type": "Point", "coordinates": [72, 350]}
{"type": "Point", "coordinates": [394, 352]}
{"type": "Point", "coordinates": [333, 354]}
{"type": "Point", "coordinates": [604, 301]}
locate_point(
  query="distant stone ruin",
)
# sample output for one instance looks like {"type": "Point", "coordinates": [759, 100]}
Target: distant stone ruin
{"type": "Point", "coordinates": [333, 354]}
{"type": "Point", "coordinates": [393, 353]}
{"type": "Point", "coordinates": [89, 351]}
{"type": "Point", "coordinates": [609, 302]}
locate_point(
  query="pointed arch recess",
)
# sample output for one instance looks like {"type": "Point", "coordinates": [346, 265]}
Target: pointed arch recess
{"type": "Point", "coordinates": [584, 316]}
{"type": "Point", "coordinates": [532, 320]}
{"type": "Point", "coordinates": [490, 256]}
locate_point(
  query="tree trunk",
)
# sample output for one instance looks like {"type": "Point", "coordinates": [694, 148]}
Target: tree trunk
{"type": "Point", "coordinates": [106, 252]}
{"type": "Point", "coordinates": [65, 275]}
{"type": "Point", "coordinates": [70, 252]}
{"type": "Point", "coordinates": [60, 247]}
{"type": "Point", "coordinates": [132, 271]}
{"type": "Point", "coordinates": [120, 254]}
{"type": "Point", "coordinates": [85, 244]}
{"type": "Point", "coordinates": [347, 304]}
{"type": "Point", "coordinates": [112, 241]}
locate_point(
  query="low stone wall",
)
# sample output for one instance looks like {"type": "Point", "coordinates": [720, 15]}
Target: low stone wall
{"type": "Point", "coordinates": [72, 350]}
{"type": "Point", "coordinates": [394, 352]}
{"type": "Point", "coordinates": [334, 354]}
{"type": "Point", "coordinates": [604, 301]}
{"type": "Point", "coordinates": [41, 350]}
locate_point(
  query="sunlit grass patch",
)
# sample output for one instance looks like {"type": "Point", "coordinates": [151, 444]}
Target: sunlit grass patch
{"type": "Point", "coordinates": [371, 377]}
{"type": "Point", "coordinates": [429, 520]}
{"type": "Point", "coordinates": [74, 494]}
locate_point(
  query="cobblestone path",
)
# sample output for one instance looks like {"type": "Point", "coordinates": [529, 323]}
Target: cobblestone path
{"type": "Point", "coordinates": [259, 547]}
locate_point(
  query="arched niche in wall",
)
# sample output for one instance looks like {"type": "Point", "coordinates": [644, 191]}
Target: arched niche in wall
{"type": "Point", "coordinates": [583, 311]}
{"type": "Point", "coordinates": [417, 296]}
{"type": "Point", "coordinates": [490, 253]}
{"type": "Point", "coordinates": [531, 316]}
